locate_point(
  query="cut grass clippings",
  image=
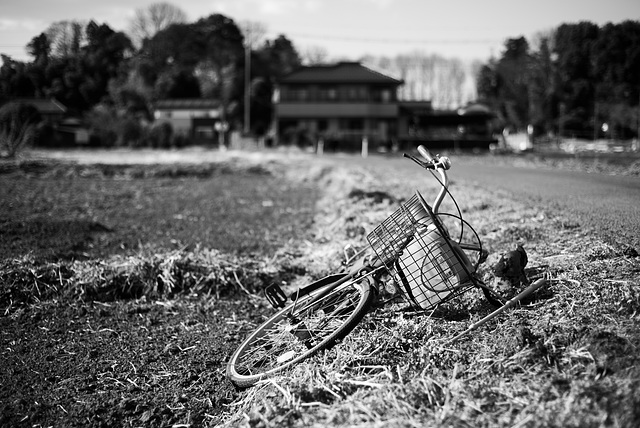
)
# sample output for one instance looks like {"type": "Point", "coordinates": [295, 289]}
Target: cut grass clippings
{"type": "Point", "coordinates": [155, 276]}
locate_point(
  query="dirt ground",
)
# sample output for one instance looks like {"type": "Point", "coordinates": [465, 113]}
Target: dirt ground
{"type": "Point", "coordinates": [114, 310]}
{"type": "Point", "coordinates": [121, 363]}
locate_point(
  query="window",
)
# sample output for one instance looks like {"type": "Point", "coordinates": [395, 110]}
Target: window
{"type": "Point", "coordinates": [294, 94]}
{"type": "Point", "coordinates": [351, 93]}
{"type": "Point", "coordinates": [362, 93]}
{"type": "Point", "coordinates": [328, 93]}
{"type": "Point", "coordinates": [382, 95]}
{"type": "Point", "coordinates": [357, 93]}
{"type": "Point", "coordinates": [302, 94]}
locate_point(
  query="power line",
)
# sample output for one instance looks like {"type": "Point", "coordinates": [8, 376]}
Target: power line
{"type": "Point", "coordinates": [393, 41]}
{"type": "Point", "coordinates": [365, 40]}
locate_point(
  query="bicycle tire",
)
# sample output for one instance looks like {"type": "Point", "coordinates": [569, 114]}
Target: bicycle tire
{"type": "Point", "coordinates": [280, 343]}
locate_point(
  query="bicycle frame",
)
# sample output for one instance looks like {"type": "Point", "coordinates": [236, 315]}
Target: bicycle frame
{"type": "Point", "coordinates": [412, 248]}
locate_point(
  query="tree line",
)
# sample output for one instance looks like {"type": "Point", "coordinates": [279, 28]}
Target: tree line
{"type": "Point", "coordinates": [569, 81]}
{"type": "Point", "coordinates": [113, 79]}
{"type": "Point", "coordinates": [578, 80]}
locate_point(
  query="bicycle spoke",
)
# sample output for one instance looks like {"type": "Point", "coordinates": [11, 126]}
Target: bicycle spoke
{"type": "Point", "coordinates": [284, 341]}
{"type": "Point", "coordinates": [307, 326]}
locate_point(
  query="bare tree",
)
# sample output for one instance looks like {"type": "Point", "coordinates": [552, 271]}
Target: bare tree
{"type": "Point", "coordinates": [66, 38]}
{"type": "Point", "coordinates": [253, 32]}
{"type": "Point", "coordinates": [546, 37]}
{"type": "Point", "coordinates": [454, 84]}
{"type": "Point", "coordinates": [446, 82]}
{"type": "Point", "coordinates": [148, 22]}
{"type": "Point", "coordinates": [315, 55]}
{"type": "Point", "coordinates": [402, 64]}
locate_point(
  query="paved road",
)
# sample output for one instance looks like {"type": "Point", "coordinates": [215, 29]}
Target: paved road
{"type": "Point", "coordinates": [609, 204]}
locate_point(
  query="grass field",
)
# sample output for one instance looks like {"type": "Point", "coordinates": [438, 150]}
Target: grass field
{"type": "Point", "coordinates": [101, 334]}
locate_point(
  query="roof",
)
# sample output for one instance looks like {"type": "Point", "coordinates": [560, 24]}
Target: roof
{"type": "Point", "coordinates": [188, 104]}
{"type": "Point", "coordinates": [43, 105]}
{"type": "Point", "coordinates": [342, 72]}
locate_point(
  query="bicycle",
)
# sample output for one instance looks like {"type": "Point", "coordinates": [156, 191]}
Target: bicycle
{"type": "Point", "coordinates": [413, 252]}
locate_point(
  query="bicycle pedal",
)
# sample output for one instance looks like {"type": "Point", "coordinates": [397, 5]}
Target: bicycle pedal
{"type": "Point", "coordinates": [275, 295]}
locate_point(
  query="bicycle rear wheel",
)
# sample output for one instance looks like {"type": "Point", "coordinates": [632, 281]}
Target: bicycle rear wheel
{"type": "Point", "coordinates": [299, 331]}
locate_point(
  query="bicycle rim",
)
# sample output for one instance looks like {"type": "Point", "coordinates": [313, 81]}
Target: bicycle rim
{"type": "Point", "coordinates": [299, 331]}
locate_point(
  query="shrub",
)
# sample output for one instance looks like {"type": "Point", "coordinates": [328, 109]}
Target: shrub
{"type": "Point", "coordinates": [130, 132]}
{"type": "Point", "coordinates": [109, 129]}
{"type": "Point", "coordinates": [160, 135]}
{"type": "Point", "coordinates": [45, 136]}
{"type": "Point", "coordinates": [104, 125]}
{"type": "Point", "coordinates": [18, 127]}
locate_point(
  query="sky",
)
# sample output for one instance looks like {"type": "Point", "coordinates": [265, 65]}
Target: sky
{"type": "Point", "coordinates": [345, 29]}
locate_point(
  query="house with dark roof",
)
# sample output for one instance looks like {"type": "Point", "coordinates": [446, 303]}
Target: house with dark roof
{"type": "Point", "coordinates": [55, 127]}
{"type": "Point", "coordinates": [340, 103]}
{"type": "Point", "coordinates": [344, 103]}
{"type": "Point", "coordinates": [51, 110]}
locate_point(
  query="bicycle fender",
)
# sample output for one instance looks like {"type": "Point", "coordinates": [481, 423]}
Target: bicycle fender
{"type": "Point", "coordinates": [316, 285]}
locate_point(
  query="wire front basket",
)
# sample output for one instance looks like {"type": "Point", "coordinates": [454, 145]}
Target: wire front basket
{"type": "Point", "coordinates": [416, 248]}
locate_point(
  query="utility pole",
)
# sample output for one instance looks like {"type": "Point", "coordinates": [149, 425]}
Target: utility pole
{"type": "Point", "coordinates": [561, 124]}
{"type": "Point", "coordinates": [247, 89]}
{"type": "Point", "coordinates": [252, 32]}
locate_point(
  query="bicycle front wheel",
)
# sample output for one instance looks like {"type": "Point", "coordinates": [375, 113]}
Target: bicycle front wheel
{"type": "Point", "coordinates": [299, 331]}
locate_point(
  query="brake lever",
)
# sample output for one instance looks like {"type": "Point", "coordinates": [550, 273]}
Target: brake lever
{"type": "Point", "coordinates": [423, 164]}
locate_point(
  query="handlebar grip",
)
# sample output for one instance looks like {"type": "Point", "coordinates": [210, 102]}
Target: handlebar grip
{"type": "Point", "coordinates": [425, 153]}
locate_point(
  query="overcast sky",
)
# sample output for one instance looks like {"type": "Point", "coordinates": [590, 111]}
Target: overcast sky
{"type": "Point", "coordinates": [347, 29]}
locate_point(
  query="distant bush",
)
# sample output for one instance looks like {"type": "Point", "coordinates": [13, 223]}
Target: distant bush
{"type": "Point", "coordinates": [104, 126]}
{"type": "Point", "coordinates": [110, 129]}
{"type": "Point", "coordinates": [45, 136]}
{"type": "Point", "coordinates": [18, 127]}
{"type": "Point", "coordinates": [160, 135]}
{"type": "Point", "coordinates": [131, 133]}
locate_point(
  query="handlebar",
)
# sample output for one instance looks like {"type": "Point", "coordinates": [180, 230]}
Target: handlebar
{"type": "Point", "coordinates": [439, 164]}
{"type": "Point", "coordinates": [431, 162]}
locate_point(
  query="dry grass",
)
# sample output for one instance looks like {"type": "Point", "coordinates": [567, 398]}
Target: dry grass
{"type": "Point", "coordinates": [568, 357]}
{"type": "Point", "coordinates": [156, 276]}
